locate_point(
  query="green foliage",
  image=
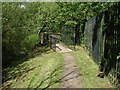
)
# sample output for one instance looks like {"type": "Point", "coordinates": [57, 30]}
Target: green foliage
{"type": "Point", "coordinates": [71, 23]}
{"type": "Point", "coordinates": [20, 20]}
{"type": "Point", "coordinates": [21, 24]}
{"type": "Point", "coordinates": [31, 41]}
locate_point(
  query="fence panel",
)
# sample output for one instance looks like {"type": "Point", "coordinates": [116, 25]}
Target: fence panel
{"type": "Point", "coordinates": [68, 36]}
{"type": "Point", "coordinates": [102, 40]}
{"type": "Point", "coordinates": [112, 42]}
{"type": "Point", "coordinates": [89, 27]}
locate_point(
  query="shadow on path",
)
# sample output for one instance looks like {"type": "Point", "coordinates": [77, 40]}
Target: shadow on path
{"type": "Point", "coordinates": [71, 76]}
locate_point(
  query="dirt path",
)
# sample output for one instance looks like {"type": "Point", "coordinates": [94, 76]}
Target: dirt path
{"type": "Point", "coordinates": [71, 76]}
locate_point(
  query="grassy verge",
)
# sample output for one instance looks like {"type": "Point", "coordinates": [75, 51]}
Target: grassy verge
{"type": "Point", "coordinates": [42, 71]}
{"type": "Point", "coordinates": [89, 71]}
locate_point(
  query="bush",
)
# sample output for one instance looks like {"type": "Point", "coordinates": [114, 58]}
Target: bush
{"type": "Point", "coordinates": [30, 42]}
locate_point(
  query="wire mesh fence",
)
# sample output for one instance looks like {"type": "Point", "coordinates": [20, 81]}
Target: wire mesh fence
{"type": "Point", "coordinates": [68, 36]}
{"type": "Point", "coordinates": [89, 26]}
{"type": "Point", "coordinates": [93, 39]}
{"type": "Point", "coordinates": [102, 40]}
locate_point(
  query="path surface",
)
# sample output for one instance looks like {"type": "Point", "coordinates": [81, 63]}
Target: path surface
{"type": "Point", "coordinates": [61, 48]}
{"type": "Point", "coordinates": [71, 76]}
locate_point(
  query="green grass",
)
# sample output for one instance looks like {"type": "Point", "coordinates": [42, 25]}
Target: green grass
{"type": "Point", "coordinates": [89, 70]}
{"type": "Point", "coordinates": [42, 71]}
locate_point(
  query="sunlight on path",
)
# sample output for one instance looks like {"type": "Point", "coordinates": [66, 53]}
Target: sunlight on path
{"type": "Point", "coordinates": [61, 48]}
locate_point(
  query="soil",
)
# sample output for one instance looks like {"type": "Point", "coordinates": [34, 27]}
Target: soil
{"type": "Point", "coordinates": [71, 76]}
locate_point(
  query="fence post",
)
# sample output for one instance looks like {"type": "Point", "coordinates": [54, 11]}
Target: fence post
{"type": "Point", "coordinates": [50, 42]}
{"type": "Point", "coordinates": [55, 44]}
{"type": "Point", "coordinates": [74, 43]}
